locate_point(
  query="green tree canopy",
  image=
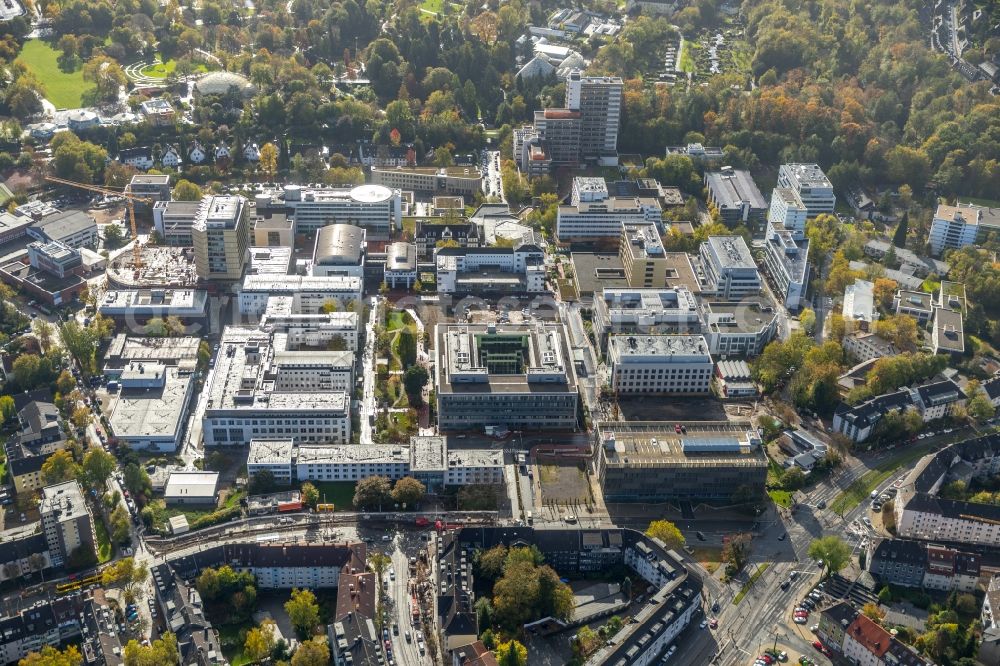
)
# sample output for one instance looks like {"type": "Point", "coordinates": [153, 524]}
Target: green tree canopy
{"type": "Point", "coordinates": [303, 611]}
{"type": "Point", "coordinates": [185, 190]}
{"type": "Point", "coordinates": [408, 491]}
{"type": "Point", "coordinates": [834, 552]}
{"type": "Point", "coordinates": [667, 532]}
{"type": "Point", "coordinates": [372, 492]}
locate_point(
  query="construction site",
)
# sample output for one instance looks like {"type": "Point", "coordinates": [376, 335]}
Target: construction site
{"type": "Point", "coordinates": [159, 267]}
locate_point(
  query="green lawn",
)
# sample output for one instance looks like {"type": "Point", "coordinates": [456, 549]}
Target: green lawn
{"type": "Point", "coordinates": [104, 549]}
{"type": "Point", "coordinates": [396, 321]}
{"type": "Point", "coordinates": [742, 57]}
{"type": "Point", "coordinates": [432, 5]}
{"type": "Point", "coordinates": [65, 90]}
{"type": "Point", "coordinates": [338, 493]}
{"type": "Point", "coordinates": [160, 70]}
{"type": "Point", "coordinates": [687, 57]}
{"type": "Point", "coordinates": [780, 497]}
{"type": "Point", "coordinates": [162, 513]}
{"type": "Point", "coordinates": [761, 568]}
{"type": "Point", "coordinates": [707, 556]}
{"type": "Point", "coordinates": [930, 286]}
{"type": "Point", "coordinates": [232, 646]}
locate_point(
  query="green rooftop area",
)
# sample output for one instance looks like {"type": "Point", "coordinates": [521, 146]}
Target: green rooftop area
{"type": "Point", "coordinates": [503, 354]}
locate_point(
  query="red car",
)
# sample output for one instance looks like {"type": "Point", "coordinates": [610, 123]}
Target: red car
{"type": "Point", "coordinates": [819, 646]}
{"type": "Point", "coordinates": [767, 658]}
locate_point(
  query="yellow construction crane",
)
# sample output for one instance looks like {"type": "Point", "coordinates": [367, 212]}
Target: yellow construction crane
{"type": "Point", "coordinates": [131, 198]}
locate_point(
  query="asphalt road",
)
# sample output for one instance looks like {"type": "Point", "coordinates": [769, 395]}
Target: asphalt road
{"type": "Point", "coordinates": [782, 541]}
{"type": "Point", "coordinates": [405, 652]}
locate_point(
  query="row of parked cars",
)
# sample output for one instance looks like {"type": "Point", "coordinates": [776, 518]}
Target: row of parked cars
{"type": "Point", "coordinates": [771, 657]}
{"type": "Point", "coordinates": [807, 605]}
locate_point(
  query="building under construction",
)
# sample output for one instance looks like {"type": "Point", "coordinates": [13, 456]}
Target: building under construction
{"type": "Point", "coordinates": [161, 267]}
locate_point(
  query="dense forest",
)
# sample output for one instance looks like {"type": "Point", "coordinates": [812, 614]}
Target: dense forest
{"type": "Point", "coordinates": [852, 86]}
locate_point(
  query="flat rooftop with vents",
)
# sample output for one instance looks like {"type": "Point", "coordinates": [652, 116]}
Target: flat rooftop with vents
{"type": "Point", "coordinates": [655, 461]}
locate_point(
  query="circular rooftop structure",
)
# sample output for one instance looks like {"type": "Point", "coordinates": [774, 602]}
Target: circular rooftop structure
{"type": "Point", "coordinates": [82, 117]}
{"type": "Point", "coordinates": [220, 83]}
{"type": "Point", "coordinates": [371, 193]}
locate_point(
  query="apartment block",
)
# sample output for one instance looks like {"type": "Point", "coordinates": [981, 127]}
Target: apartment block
{"type": "Point", "coordinates": [813, 187]}
{"type": "Point", "coordinates": [730, 272]}
{"type": "Point", "coordinates": [735, 195]}
{"type": "Point", "coordinates": [456, 180]}
{"type": "Point", "coordinates": [934, 400]}
{"type": "Point", "coordinates": [27, 630]}
{"type": "Point", "coordinates": [375, 208]}
{"type": "Point", "coordinates": [957, 226]}
{"type": "Point", "coordinates": [910, 563]}
{"type": "Point", "coordinates": [645, 261]}
{"type": "Point", "coordinates": [594, 215]}
{"type": "Point", "coordinates": [861, 346]}
{"type": "Point", "coordinates": [660, 364]}
{"type": "Point", "coordinates": [787, 210]}
{"type": "Point", "coordinates": [786, 256]}
{"type": "Point", "coordinates": [989, 646]}
{"type": "Point", "coordinates": [174, 220]}
{"type": "Point", "coordinates": [155, 187]}
{"type": "Point", "coordinates": [250, 395]}
{"type": "Point", "coordinates": [39, 435]}
{"type": "Point", "coordinates": [645, 311]}
{"type": "Point", "coordinates": [309, 293]}
{"type": "Point", "coordinates": [426, 458]}
{"type": "Point", "coordinates": [516, 270]}
{"type": "Point", "coordinates": [221, 237]}
{"type": "Point", "coordinates": [585, 130]}
{"type": "Point", "coordinates": [671, 608]}
{"type": "Point", "coordinates": [66, 521]}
